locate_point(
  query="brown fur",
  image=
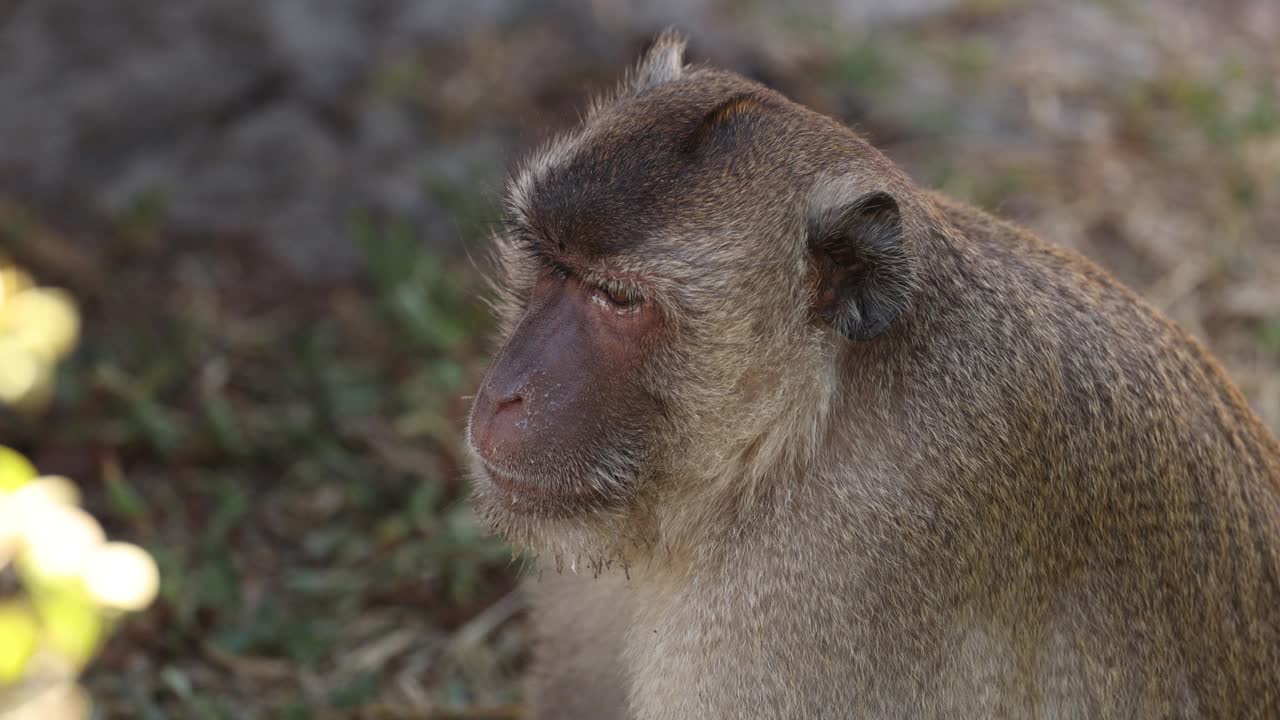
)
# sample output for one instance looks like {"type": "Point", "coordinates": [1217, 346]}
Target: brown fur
{"type": "Point", "coordinates": [1032, 496]}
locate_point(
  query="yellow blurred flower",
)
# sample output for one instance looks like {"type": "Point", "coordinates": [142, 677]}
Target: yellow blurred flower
{"type": "Point", "coordinates": [122, 576]}
{"type": "Point", "coordinates": [15, 470]}
{"type": "Point", "coordinates": [43, 320]}
{"type": "Point", "coordinates": [12, 281]}
{"type": "Point", "coordinates": [72, 624]}
{"type": "Point", "coordinates": [24, 502]}
{"type": "Point", "coordinates": [47, 489]}
{"type": "Point", "coordinates": [57, 702]}
{"type": "Point", "coordinates": [23, 375]}
{"type": "Point", "coordinates": [76, 585]}
{"type": "Point", "coordinates": [20, 629]}
{"type": "Point", "coordinates": [38, 327]}
{"type": "Point", "coordinates": [57, 540]}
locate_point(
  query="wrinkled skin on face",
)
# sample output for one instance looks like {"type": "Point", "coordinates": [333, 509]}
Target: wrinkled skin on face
{"type": "Point", "coordinates": [558, 424]}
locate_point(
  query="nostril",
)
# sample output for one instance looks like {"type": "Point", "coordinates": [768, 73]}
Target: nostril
{"type": "Point", "coordinates": [502, 425]}
{"type": "Point", "coordinates": [509, 399]}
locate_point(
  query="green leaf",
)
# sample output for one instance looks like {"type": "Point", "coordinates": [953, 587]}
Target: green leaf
{"type": "Point", "coordinates": [124, 499]}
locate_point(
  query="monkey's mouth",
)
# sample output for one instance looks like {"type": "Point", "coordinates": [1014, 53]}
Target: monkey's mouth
{"type": "Point", "coordinates": [504, 480]}
{"type": "Point", "coordinates": [535, 493]}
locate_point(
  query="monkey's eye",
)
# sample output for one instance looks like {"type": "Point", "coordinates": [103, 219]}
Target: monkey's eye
{"type": "Point", "coordinates": [616, 298]}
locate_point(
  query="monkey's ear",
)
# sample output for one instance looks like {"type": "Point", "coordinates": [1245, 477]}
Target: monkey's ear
{"type": "Point", "coordinates": [661, 63]}
{"type": "Point", "coordinates": [863, 272]}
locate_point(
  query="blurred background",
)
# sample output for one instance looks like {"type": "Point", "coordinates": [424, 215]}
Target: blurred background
{"type": "Point", "coordinates": [271, 215]}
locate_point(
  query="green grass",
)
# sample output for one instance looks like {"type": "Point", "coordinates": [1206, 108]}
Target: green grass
{"type": "Point", "coordinates": [290, 456]}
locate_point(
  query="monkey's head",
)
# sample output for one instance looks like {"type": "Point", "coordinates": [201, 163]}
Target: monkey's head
{"type": "Point", "coordinates": [678, 280]}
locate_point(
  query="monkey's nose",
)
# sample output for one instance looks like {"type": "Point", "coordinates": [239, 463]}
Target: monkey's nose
{"type": "Point", "coordinates": [500, 425]}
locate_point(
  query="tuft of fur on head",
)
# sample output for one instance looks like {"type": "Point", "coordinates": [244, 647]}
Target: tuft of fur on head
{"type": "Point", "coordinates": [662, 63]}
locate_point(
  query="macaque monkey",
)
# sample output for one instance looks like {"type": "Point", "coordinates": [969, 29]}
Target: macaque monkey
{"type": "Point", "coordinates": [792, 437]}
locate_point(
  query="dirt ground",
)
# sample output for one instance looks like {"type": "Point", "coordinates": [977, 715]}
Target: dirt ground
{"type": "Point", "coordinates": [269, 213]}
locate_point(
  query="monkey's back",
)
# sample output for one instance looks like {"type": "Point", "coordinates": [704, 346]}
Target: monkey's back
{"type": "Point", "coordinates": [1122, 490]}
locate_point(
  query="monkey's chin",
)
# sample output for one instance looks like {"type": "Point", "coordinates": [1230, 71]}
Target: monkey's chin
{"type": "Point", "coordinates": [564, 526]}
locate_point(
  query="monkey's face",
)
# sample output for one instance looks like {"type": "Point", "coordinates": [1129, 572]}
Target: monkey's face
{"type": "Point", "coordinates": [636, 317]}
{"type": "Point", "coordinates": [669, 277]}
